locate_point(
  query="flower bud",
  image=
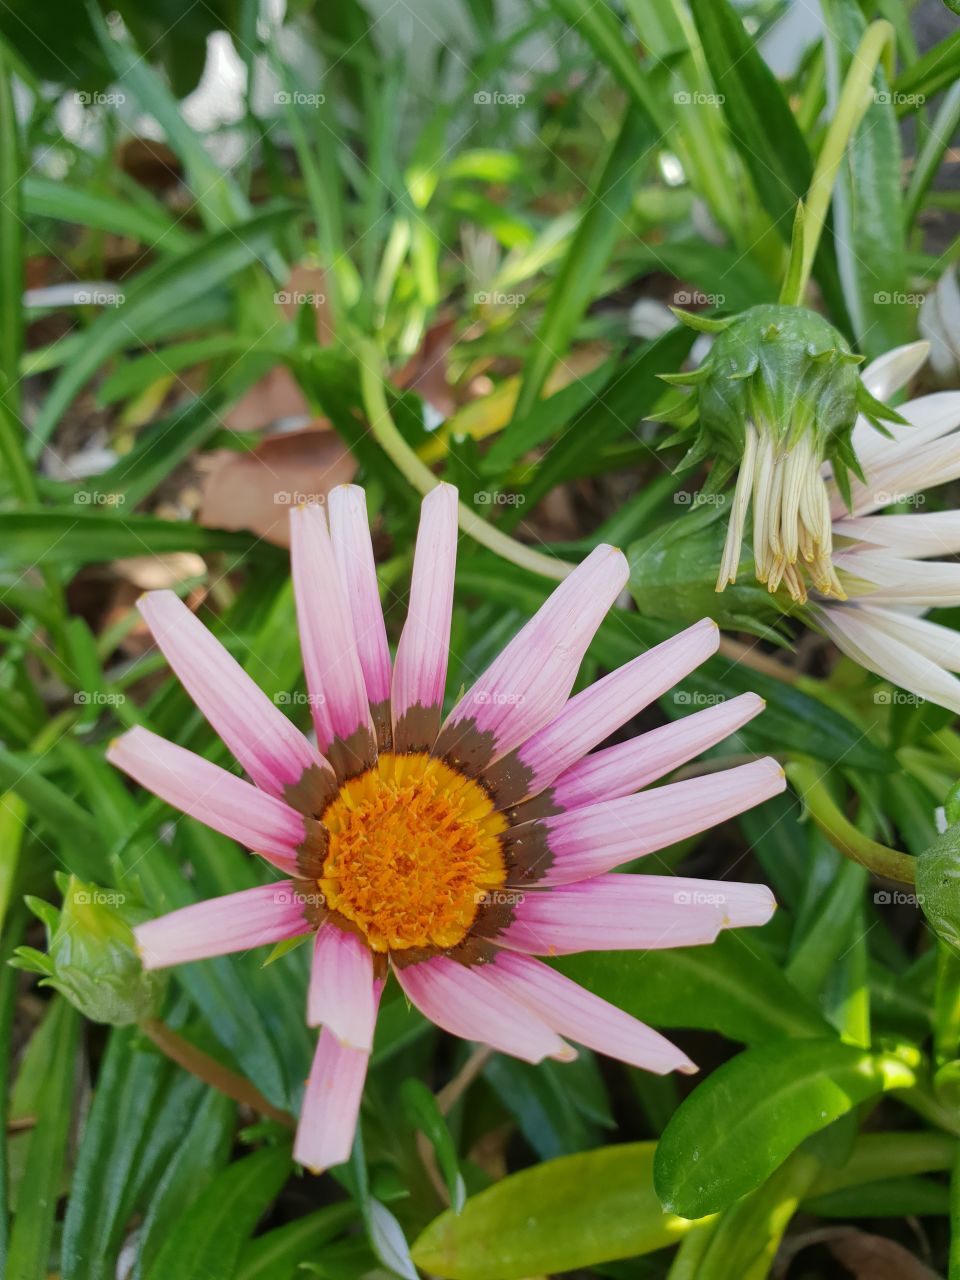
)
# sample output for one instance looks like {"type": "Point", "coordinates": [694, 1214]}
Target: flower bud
{"type": "Point", "coordinates": [91, 957]}
{"type": "Point", "coordinates": [778, 396]}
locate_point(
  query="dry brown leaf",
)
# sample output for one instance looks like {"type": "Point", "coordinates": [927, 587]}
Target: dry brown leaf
{"type": "Point", "coordinates": [255, 490]}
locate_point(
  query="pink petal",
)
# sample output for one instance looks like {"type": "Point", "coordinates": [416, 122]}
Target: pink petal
{"type": "Point", "coordinates": [235, 922]}
{"type": "Point", "coordinates": [341, 994]}
{"type": "Point", "coordinates": [331, 1104]}
{"type": "Point", "coordinates": [528, 684]}
{"type": "Point", "coordinates": [466, 1002]}
{"type": "Point", "coordinates": [350, 531]}
{"type": "Point", "coordinates": [420, 670]}
{"type": "Point", "coordinates": [338, 696]}
{"type": "Point", "coordinates": [585, 842]}
{"type": "Point", "coordinates": [211, 794]}
{"type": "Point", "coordinates": [633, 913]}
{"type": "Point", "coordinates": [577, 1013]}
{"type": "Point", "coordinates": [626, 767]}
{"type": "Point", "coordinates": [595, 713]}
{"type": "Point", "coordinates": [932, 533]}
{"type": "Point", "coordinates": [272, 750]}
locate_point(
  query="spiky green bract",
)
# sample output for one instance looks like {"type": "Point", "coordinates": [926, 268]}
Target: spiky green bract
{"type": "Point", "coordinates": [789, 372]}
{"type": "Point", "coordinates": [91, 957]}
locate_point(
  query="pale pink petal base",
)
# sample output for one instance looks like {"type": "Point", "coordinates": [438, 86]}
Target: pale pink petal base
{"type": "Point", "coordinates": [468, 1003]}
{"type": "Point", "coordinates": [633, 913]}
{"type": "Point", "coordinates": [219, 926]}
{"type": "Point", "coordinates": [204, 791]}
{"type": "Point", "coordinates": [574, 1012]}
{"type": "Point", "coordinates": [341, 994]}
{"type": "Point", "coordinates": [350, 532]}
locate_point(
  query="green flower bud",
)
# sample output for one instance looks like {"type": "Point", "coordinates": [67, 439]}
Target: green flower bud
{"type": "Point", "coordinates": [938, 886]}
{"type": "Point", "coordinates": [779, 395]}
{"type": "Point", "coordinates": [91, 957]}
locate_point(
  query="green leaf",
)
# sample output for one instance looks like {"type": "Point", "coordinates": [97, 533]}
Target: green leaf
{"type": "Point", "coordinates": [167, 286]}
{"type": "Point", "coordinates": [602, 224]}
{"type": "Point", "coordinates": [867, 201]}
{"type": "Point", "coordinates": [423, 1113]}
{"type": "Point", "coordinates": [729, 986]}
{"type": "Point", "coordinates": [716, 1149]}
{"type": "Point", "coordinates": [206, 1240]}
{"type": "Point", "coordinates": [277, 1254]}
{"type": "Point", "coordinates": [29, 1255]}
{"type": "Point", "coordinates": [83, 536]}
{"type": "Point", "coordinates": [562, 1215]}
{"type": "Point", "coordinates": [149, 223]}
{"type": "Point", "coordinates": [937, 69]}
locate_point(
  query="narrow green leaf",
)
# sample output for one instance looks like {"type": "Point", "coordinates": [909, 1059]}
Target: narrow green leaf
{"type": "Point", "coordinates": [602, 224]}
{"type": "Point", "coordinates": [29, 1256]}
{"type": "Point", "coordinates": [205, 1241]}
{"type": "Point", "coordinates": [165, 287]}
{"type": "Point", "coordinates": [279, 1253]}
{"type": "Point", "coordinates": [150, 223]}
{"type": "Point", "coordinates": [716, 1149]}
{"type": "Point", "coordinates": [562, 1215]}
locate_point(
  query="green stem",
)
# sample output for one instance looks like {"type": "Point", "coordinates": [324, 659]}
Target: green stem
{"type": "Point", "coordinates": [841, 833]}
{"type": "Point", "coordinates": [422, 478]}
{"type": "Point", "coordinates": [210, 1071]}
{"type": "Point", "coordinates": [878, 39]}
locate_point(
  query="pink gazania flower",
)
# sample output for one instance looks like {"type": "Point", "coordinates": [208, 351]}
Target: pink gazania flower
{"type": "Point", "coordinates": [450, 851]}
{"type": "Point", "coordinates": [885, 561]}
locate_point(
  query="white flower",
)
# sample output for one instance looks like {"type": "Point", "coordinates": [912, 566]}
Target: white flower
{"type": "Point", "coordinates": [887, 562]}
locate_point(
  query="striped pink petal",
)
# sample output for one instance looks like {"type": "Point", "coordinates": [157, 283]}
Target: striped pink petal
{"type": "Point", "coordinates": [338, 696]}
{"type": "Point", "coordinates": [350, 532]}
{"type": "Point", "coordinates": [934, 533]}
{"type": "Point", "coordinates": [331, 1104]}
{"type": "Point", "coordinates": [342, 995]}
{"type": "Point", "coordinates": [420, 670]}
{"type": "Point", "coordinates": [528, 684]}
{"type": "Point", "coordinates": [217, 798]}
{"type": "Point", "coordinates": [626, 767]}
{"type": "Point", "coordinates": [633, 913]}
{"type": "Point", "coordinates": [235, 922]}
{"type": "Point", "coordinates": [595, 713]}
{"type": "Point", "coordinates": [870, 638]}
{"type": "Point", "coordinates": [272, 750]}
{"type": "Point", "coordinates": [589, 841]}
{"type": "Point", "coordinates": [578, 1014]}
{"type": "Point", "coordinates": [468, 1003]}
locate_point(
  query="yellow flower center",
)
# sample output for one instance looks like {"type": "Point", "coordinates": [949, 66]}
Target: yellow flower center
{"type": "Point", "coordinates": [413, 852]}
